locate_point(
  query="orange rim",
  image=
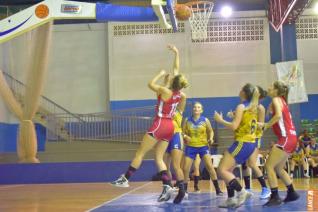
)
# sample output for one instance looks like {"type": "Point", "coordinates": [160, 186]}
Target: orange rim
{"type": "Point", "coordinates": [193, 5]}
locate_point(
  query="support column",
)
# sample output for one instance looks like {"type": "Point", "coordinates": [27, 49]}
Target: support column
{"type": "Point", "coordinates": [283, 47]}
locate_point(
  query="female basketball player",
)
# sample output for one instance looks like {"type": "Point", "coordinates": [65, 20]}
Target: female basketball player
{"type": "Point", "coordinates": [251, 162]}
{"type": "Point", "coordinates": [244, 124]}
{"type": "Point", "coordinates": [198, 135]}
{"type": "Point", "coordinates": [174, 151]}
{"type": "Point", "coordinates": [283, 127]}
{"type": "Point", "coordinates": [160, 133]}
{"type": "Point", "coordinates": [313, 156]}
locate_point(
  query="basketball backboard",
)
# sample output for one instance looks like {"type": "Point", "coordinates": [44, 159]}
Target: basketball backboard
{"type": "Point", "coordinates": [172, 14]}
{"type": "Point", "coordinates": [285, 11]}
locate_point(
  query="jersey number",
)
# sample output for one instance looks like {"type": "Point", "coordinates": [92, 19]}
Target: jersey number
{"type": "Point", "coordinates": [173, 108]}
{"type": "Point", "coordinates": [253, 126]}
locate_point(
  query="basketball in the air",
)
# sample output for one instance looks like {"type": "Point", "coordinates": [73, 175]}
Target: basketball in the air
{"type": "Point", "coordinates": [42, 11]}
{"type": "Point", "coordinates": [183, 12]}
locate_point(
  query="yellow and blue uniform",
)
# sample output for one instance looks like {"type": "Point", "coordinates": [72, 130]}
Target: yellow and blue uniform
{"type": "Point", "coordinates": [314, 150]}
{"type": "Point", "coordinates": [298, 155]}
{"type": "Point", "coordinates": [197, 131]}
{"type": "Point", "coordinates": [176, 141]}
{"type": "Point", "coordinates": [245, 136]}
{"type": "Point", "coordinates": [305, 140]}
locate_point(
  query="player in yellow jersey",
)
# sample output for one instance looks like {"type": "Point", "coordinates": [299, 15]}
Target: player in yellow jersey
{"type": "Point", "coordinates": [298, 158]}
{"type": "Point", "coordinates": [244, 125]}
{"type": "Point", "coordinates": [251, 162]}
{"type": "Point", "coordinates": [313, 156]}
{"type": "Point", "coordinates": [313, 153]}
{"type": "Point", "coordinates": [198, 135]}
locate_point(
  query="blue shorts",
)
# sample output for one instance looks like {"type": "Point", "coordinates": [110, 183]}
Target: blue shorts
{"type": "Point", "coordinates": [175, 143]}
{"type": "Point", "coordinates": [241, 151]}
{"type": "Point", "coordinates": [192, 152]}
{"type": "Point", "coordinates": [258, 142]}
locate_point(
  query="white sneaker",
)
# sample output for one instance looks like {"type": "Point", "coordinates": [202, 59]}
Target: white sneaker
{"type": "Point", "coordinates": [121, 182]}
{"type": "Point", "coordinates": [242, 196]}
{"type": "Point", "coordinates": [250, 191]}
{"type": "Point", "coordinates": [306, 176]}
{"type": "Point", "coordinates": [175, 189]}
{"type": "Point", "coordinates": [166, 193]}
{"type": "Point", "coordinates": [229, 203]}
{"type": "Point", "coordinates": [186, 196]}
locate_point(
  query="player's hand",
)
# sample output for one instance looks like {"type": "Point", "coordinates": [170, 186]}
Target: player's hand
{"type": "Point", "coordinates": [186, 139]}
{"type": "Point", "coordinates": [162, 72]}
{"type": "Point", "coordinates": [173, 48]}
{"type": "Point", "coordinates": [261, 125]}
{"type": "Point", "coordinates": [230, 114]}
{"type": "Point", "coordinates": [218, 117]}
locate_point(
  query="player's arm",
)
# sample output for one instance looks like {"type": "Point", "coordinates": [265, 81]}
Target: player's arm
{"type": "Point", "coordinates": [176, 63]}
{"type": "Point", "coordinates": [153, 84]}
{"type": "Point", "coordinates": [210, 132]}
{"type": "Point", "coordinates": [218, 117]}
{"type": "Point", "coordinates": [230, 114]}
{"type": "Point", "coordinates": [261, 113]}
{"type": "Point", "coordinates": [269, 110]}
{"type": "Point", "coordinates": [185, 136]}
{"type": "Point", "coordinates": [277, 106]}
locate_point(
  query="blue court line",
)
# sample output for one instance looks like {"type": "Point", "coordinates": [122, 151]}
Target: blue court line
{"type": "Point", "coordinates": [196, 202]}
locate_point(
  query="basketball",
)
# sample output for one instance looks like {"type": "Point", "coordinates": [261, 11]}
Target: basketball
{"type": "Point", "coordinates": [42, 11]}
{"type": "Point", "coordinates": [183, 12]}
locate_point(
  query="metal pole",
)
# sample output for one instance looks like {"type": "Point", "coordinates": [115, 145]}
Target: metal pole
{"type": "Point", "coordinates": [282, 49]}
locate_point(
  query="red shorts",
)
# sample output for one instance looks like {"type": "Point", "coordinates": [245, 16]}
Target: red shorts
{"type": "Point", "coordinates": [288, 144]}
{"type": "Point", "coordinates": [162, 129]}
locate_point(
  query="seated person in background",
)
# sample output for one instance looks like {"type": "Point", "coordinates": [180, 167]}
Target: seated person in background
{"type": "Point", "coordinates": [313, 156]}
{"type": "Point", "coordinates": [304, 140]}
{"type": "Point", "coordinates": [298, 158]}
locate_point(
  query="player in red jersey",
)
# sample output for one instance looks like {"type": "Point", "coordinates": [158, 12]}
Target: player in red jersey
{"type": "Point", "coordinates": [160, 133]}
{"type": "Point", "coordinates": [283, 127]}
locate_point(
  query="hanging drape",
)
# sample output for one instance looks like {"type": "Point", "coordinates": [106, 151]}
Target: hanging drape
{"type": "Point", "coordinates": [38, 54]}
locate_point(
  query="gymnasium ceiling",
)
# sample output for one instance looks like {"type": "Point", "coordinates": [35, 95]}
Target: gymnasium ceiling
{"type": "Point", "coordinates": [238, 5]}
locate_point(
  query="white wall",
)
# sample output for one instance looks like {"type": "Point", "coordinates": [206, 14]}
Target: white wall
{"type": "Point", "coordinates": [78, 72]}
{"type": "Point", "coordinates": [214, 69]}
{"type": "Point", "coordinates": [77, 77]}
{"type": "Point", "coordinates": [307, 45]}
{"type": "Point", "coordinates": [307, 51]}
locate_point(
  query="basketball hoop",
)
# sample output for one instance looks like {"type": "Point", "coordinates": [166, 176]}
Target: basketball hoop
{"type": "Point", "coordinates": [199, 19]}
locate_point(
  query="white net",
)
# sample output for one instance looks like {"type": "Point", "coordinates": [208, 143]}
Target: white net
{"type": "Point", "coordinates": [201, 12]}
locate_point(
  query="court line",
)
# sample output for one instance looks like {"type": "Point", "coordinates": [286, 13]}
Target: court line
{"type": "Point", "coordinates": [11, 186]}
{"type": "Point", "coordinates": [118, 197]}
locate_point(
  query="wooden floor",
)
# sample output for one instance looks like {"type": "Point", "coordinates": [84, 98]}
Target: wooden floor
{"type": "Point", "coordinates": [85, 196]}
